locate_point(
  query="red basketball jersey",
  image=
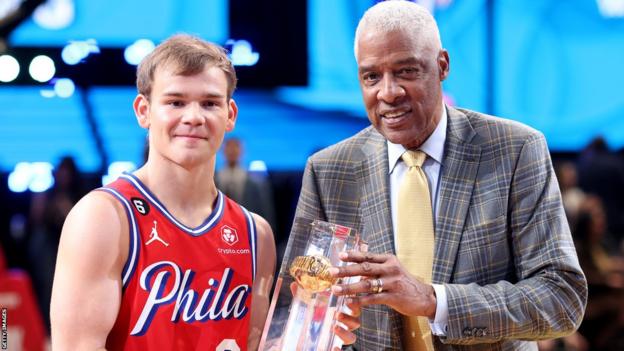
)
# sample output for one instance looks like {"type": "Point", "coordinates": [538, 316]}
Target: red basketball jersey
{"type": "Point", "coordinates": [183, 288]}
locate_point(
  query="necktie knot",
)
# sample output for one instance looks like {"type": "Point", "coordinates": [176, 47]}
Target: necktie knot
{"type": "Point", "coordinates": [414, 158]}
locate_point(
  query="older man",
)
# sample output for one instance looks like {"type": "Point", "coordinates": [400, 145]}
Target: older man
{"type": "Point", "coordinates": [468, 240]}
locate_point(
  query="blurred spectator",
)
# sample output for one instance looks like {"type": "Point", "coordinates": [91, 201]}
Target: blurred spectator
{"type": "Point", "coordinates": [254, 193]}
{"type": "Point", "coordinates": [601, 172]}
{"type": "Point", "coordinates": [589, 233]}
{"type": "Point", "coordinates": [573, 342]}
{"type": "Point", "coordinates": [47, 214]}
{"type": "Point", "coordinates": [571, 194]}
{"type": "Point", "coordinates": [603, 325]}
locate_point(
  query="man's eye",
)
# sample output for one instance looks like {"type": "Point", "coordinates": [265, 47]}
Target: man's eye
{"type": "Point", "coordinates": [408, 71]}
{"type": "Point", "coordinates": [370, 77]}
{"type": "Point", "coordinates": [176, 103]}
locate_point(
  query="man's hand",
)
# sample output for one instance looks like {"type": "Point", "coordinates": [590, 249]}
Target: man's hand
{"type": "Point", "coordinates": [401, 291]}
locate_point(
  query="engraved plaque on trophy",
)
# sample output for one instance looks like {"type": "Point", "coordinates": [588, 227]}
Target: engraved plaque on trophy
{"type": "Point", "coordinates": [303, 309]}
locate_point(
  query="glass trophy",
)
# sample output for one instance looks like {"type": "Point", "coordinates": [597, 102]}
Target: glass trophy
{"type": "Point", "coordinates": [303, 309]}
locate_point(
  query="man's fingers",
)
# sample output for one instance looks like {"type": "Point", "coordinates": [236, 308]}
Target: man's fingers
{"type": "Point", "coordinates": [359, 257]}
{"type": "Point", "coordinates": [376, 299]}
{"type": "Point", "coordinates": [346, 336]}
{"type": "Point", "coordinates": [363, 286]}
{"type": "Point", "coordinates": [349, 321]}
{"type": "Point", "coordinates": [353, 270]}
{"type": "Point", "coordinates": [365, 264]}
{"type": "Point", "coordinates": [353, 303]}
{"type": "Point", "coordinates": [293, 288]}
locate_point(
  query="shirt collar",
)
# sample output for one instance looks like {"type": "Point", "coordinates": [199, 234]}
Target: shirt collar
{"type": "Point", "coordinates": [433, 146]}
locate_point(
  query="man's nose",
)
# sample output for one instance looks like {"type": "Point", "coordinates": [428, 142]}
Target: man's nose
{"type": "Point", "coordinates": [390, 89]}
{"type": "Point", "coordinates": [193, 114]}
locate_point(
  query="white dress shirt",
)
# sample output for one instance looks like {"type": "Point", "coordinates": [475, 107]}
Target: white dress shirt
{"type": "Point", "coordinates": [434, 148]}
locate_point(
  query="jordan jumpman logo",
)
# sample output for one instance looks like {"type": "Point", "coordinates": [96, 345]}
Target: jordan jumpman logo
{"type": "Point", "coordinates": [154, 236]}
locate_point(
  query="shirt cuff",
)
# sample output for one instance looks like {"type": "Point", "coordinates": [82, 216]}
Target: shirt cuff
{"type": "Point", "coordinates": [439, 325]}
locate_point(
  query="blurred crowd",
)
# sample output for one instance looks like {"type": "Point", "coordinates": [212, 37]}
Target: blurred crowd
{"type": "Point", "coordinates": [592, 188]}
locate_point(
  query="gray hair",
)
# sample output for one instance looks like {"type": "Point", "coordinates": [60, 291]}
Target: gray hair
{"type": "Point", "coordinates": [389, 16]}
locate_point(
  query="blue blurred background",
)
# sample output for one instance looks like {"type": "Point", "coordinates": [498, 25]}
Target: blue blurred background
{"type": "Point", "coordinates": [551, 64]}
{"type": "Point", "coordinates": [554, 65]}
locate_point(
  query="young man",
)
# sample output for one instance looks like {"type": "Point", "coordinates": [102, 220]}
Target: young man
{"type": "Point", "coordinates": [160, 259]}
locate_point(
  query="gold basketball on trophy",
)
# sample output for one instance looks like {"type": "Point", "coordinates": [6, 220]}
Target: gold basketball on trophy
{"type": "Point", "coordinates": [312, 273]}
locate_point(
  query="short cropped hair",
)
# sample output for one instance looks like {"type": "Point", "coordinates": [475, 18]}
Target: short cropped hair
{"type": "Point", "coordinates": [389, 16]}
{"type": "Point", "coordinates": [186, 55]}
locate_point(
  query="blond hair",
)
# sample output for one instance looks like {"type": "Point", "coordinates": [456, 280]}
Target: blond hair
{"type": "Point", "coordinates": [187, 55]}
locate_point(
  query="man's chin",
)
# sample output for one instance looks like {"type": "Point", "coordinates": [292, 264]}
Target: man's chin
{"type": "Point", "coordinates": [397, 137]}
{"type": "Point", "coordinates": [191, 160]}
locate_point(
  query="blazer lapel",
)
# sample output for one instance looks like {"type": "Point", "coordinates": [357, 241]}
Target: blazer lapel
{"type": "Point", "coordinates": [459, 170]}
{"type": "Point", "coordinates": [373, 182]}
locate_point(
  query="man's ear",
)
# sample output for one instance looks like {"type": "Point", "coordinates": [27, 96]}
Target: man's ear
{"type": "Point", "coordinates": [232, 115]}
{"type": "Point", "coordinates": [444, 64]}
{"type": "Point", "coordinates": [141, 110]}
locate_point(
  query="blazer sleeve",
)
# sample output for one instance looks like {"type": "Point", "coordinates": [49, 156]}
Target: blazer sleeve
{"type": "Point", "coordinates": [548, 298]}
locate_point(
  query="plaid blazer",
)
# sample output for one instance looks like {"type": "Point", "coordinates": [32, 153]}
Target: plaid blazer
{"type": "Point", "coordinates": [503, 248]}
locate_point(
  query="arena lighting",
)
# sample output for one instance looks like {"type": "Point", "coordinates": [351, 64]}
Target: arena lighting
{"type": "Point", "coordinates": [76, 51]}
{"type": "Point", "coordinates": [55, 14]}
{"type": "Point", "coordinates": [42, 178]}
{"type": "Point", "coordinates": [72, 54]}
{"type": "Point", "coordinates": [35, 176]}
{"type": "Point", "coordinates": [611, 8]}
{"type": "Point", "coordinates": [8, 7]}
{"type": "Point", "coordinates": [19, 178]}
{"type": "Point", "coordinates": [47, 93]}
{"type": "Point", "coordinates": [242, 53]}
{"type": "Point", "coordinates": [42, 68]}
{"type": "Point", "coordinates": [257, 166]}
{"type": "Point", "coordinates": [9, 68]}
{"type": "Point", "coordinates": [135, 52]}
{"type": "Point", "coordinates": [64, 87]}
{"type": "Point", "coordinates": [115, 169]}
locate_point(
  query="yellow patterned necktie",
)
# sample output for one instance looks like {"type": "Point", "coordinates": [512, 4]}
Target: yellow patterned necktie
{"type": "Point", "coordinates": [415, 241]}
